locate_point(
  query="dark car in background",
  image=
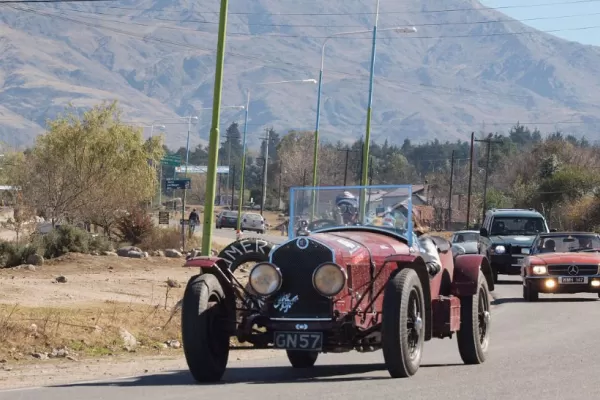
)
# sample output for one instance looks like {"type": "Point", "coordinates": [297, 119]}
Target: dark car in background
{"type": "Point", "coordinates": [467, 240]}
{"type": "Point", "coordinates": [506, 237]}
{"type": "Point", "coordinates": [227, 219]}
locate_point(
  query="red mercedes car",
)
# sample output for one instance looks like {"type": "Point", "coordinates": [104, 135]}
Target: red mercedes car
{"type": "Point", "coordinates": [562, 262]}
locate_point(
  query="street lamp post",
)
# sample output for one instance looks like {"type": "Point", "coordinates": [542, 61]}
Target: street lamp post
{"type": "Point", "coordinates": [316, 145]}
{"type": "Point", "coordinates": [366, 144]}
{"type": "Point", "coordinates": [243, 172]}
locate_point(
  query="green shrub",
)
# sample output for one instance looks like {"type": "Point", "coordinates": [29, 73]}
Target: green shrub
{"type": "Point", "coordinates": [100, 243]}
{"type": "Point", "coordinates": [65, 239]}
{"type": "Point", "coordinates": [12, 255]}
{"type": "Point", "coordinates": [135, 226]}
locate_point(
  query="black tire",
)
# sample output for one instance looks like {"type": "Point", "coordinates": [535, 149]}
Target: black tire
{"type": "Point", "coordinates": [529, 293]}
{"type": "Point", "coordinates": [246, 250]}
{"type": "Point", "coordinates": [205, 340]}
{"type": "Point", "coordinates": [474, 334]}
{"type": "Point", "coordinates": [403, 304]}
{"type": "Point", "coordinates": [495, 273]}
{"type": "Point", "coordinates": [302, 359]}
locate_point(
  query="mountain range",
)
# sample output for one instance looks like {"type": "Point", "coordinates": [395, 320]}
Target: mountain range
{"type": "Point", "coordinates": [467, 68]}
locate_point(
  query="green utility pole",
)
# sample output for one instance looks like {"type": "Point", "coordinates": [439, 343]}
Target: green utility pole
{"type": "Point", "coordinates": [213, 149]}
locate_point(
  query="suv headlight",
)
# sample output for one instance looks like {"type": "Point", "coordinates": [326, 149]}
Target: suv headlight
{"type": "Point", "coordinates": [329, 279]}
{"type": "Point", "coordinates": [265, 279]}
{"type": "Point", "coordinates": [539, 270]}
{"type": "Point", "coordinates": [500, 249]}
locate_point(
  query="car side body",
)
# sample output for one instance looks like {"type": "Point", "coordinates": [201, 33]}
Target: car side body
{"type": "Point", "coordinates": [385, 278]}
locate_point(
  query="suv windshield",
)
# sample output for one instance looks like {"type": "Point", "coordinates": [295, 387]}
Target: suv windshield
{"type": "Point", "coordinates": [566, 243]}
{"type": "Point", "coordinates": [517, 226]}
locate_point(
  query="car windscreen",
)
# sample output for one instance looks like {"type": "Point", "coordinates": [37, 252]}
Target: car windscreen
{"type": "Point", "coordinates": [567, 243]}
{"type": "Point", "coordinates": [230, 214]}
{"type": "Point", "coordinates": [253, 217]}
{"type": "Point", "coordinates": [466, 237]}
{"type": "Point", "coordinates": [517, 226]}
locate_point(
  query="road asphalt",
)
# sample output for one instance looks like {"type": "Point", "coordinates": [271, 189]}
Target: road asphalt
{"type": "Point", "coordinates": [544, 350]}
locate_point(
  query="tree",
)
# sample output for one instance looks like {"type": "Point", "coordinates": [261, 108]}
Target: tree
{"type": "Point", "coordinates": [88, 167]}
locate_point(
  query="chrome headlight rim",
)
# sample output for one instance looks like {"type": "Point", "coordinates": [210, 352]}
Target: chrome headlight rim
{"type": "Point", "coordinates": [343, 272]}
{"type": "Point", "coordinates": [278, 274]}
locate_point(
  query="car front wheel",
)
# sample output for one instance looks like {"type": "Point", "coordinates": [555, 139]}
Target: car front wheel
{"type": "Point", "coordinates": [529, 293]}
{"type": "Point", "coordinates": [403, 324]}
{"type": "Point", "coordinates": [302, 359]}
{"type": "Point", "coordinates": [203, 327]}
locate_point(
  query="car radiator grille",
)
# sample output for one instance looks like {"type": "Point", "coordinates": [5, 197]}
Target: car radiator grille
{"type": "Point", "coordinates": [297, 266]}
{"type": "Point", "coordinates": [563, 269]}
{"type": "Point", "coordinates": [516, 254]}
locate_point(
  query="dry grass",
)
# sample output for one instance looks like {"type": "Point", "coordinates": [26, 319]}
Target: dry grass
{"type": "Point", "coordinates": [168, 238]}
{"type": "Point", "coordinates": [87, 331]}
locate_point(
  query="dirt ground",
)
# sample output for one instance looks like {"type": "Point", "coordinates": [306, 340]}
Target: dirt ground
{"type": "Point", "coordinates": [59, 330]}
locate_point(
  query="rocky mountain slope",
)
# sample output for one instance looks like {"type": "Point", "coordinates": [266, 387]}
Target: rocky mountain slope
{"type": "Point", "coordinates": [459, 73]}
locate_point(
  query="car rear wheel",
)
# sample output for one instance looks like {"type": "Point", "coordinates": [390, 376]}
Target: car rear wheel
{"type": "Point", "coordinates": [403, 324]}
{"type": "Point", "coordinates": [529, 293]}
{"type": "Point", "coordinates": [474, 334]}
{"type": "Point", "coordinates": [302, 359]}
{"type": "Point", "coordinates": [203, 327]}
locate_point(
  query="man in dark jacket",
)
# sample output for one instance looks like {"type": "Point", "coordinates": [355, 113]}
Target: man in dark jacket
{"type": "Point", "coordinates": [194, 219]}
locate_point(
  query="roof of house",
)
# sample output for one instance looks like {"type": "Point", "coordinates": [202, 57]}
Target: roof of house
{"type": "Point", "coordinates": [403, 191]}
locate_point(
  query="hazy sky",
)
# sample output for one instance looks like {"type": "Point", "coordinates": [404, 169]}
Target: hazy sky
{"type": "Point", "coordinates": [590, 18]}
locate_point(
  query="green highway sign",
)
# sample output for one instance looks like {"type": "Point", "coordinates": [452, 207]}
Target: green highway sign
{"type": "Point", "coordinates": [171, 159]}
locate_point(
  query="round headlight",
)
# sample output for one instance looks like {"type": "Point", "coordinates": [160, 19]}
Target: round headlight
{"type": "Point", "coordinates": [540, 270]}
{"type": "Point", "coordinates": [500, 249]}
{"type": "Point", "coordinates": [265, 279]}
{"type": "Point", "coordinates": [329, 279]}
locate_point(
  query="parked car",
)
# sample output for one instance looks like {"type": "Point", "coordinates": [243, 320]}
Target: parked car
{"type": "Point", "coordinates": [253, 222]}
{"type": "Point", "coordinates": [466, 239]}
{"type": "Point", "coordinates": [227, 219]}
{"type": "Point", "coordinates": [562, 262]}
{"type": "Point", "coordinates": [506, 236]}
{"type": "Point", "coordinates": [343, 288]}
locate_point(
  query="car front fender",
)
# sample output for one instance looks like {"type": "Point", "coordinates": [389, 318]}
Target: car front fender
{"type": "Point", "coordinates": [466, 274]}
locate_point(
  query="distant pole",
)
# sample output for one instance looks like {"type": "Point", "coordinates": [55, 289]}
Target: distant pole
{"type": "Point", "coordinates": [470, 181]}
{"type": "Point", "coordinates": [280, 176]}
{"type": "Point", "coordinates": [449, 221]}
{"type": "Point", "coordinates": [213, 149]}
{"type": "Point", "coordinates": [346, 168]}
{"type": "Point", "coordinates": [489, 142]}
{"type": "Point", "coordinates": [232, 185]}
{"type": "Point", "coordinates": [264, 186]}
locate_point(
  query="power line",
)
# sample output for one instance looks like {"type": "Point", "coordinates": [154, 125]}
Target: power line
{"type": "Point", "coordinates": [336, 26]}
{"type": "Point", "coordinates": [391, 12]}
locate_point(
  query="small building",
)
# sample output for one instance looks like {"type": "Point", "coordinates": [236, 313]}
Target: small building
{"type": "Point", "coordinates": [399, 195]}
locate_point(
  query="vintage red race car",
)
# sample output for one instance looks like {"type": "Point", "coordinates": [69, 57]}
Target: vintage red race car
{"type": "Point", "coordinates": [348, 286]}
{"type": "Point", "coordinates": [562, 262]}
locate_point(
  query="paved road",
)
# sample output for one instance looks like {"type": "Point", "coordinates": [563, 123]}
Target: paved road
{"type": "Point", "coordinates": [230, 234]}
{"type": "Point", "coordinates": [547, 350]}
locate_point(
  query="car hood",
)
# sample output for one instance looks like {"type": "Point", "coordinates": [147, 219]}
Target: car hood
{"type": "Point", "coordinates": [568, 258]}
{"type": "Point", "coordinates": [514, 240]}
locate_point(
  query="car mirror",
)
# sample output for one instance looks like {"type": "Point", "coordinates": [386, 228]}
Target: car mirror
{"type": "Point", "coordinates": [483, 232]}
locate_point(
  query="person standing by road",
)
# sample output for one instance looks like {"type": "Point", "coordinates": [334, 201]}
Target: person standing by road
{"type": "Point", "coordinates": [194, 219]}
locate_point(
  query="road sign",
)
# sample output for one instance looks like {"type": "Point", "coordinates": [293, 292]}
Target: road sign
{"type": "Point", "coordinates": [163, 218]}
{"type": "Point", "coordinates": [179, 183]}
{"type": "Point", "coordinates": [172, 159]}
{"type": "Point", "coordinates": [200, 169]}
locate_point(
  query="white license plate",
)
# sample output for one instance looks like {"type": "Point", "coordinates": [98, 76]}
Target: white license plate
{"type": "Point", "coordinates": [573, 279]}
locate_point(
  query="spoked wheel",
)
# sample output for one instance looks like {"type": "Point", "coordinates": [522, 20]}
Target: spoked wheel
{"type": "Point", "coordinates": [204, 316]}
{"type": "Point", "coordinates": [403, 324]}
{"type": "Point", "coordinates": [474, 334]}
